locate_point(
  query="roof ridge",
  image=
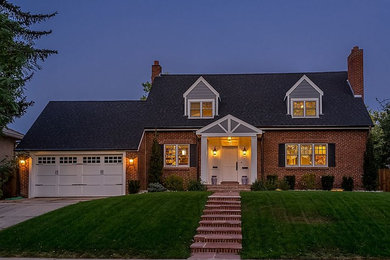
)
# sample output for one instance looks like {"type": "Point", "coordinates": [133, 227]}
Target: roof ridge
{"type": "Point", "coordinates": [95, 101]}
{"type": "Point", "coordinates": [248, 74]}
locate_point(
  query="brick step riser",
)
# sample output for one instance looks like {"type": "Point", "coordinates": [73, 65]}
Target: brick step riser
{"type": "Point", "coordinates": [215, 250]}
{"type": "Point", "coordinates": [223, 199]}
{"type": "Point", "coordinates": [219, 225]}
{"type": "Point", "coordinates": [227, 191]}
{"type": "Point", "coordinates": [211, 240]}
{"type": "Point", "coordinates": [223, 202]}
{"type": "Point", "coordinates": [204, 232]}
{"type": "Point", "coordinates": [220, 212]}
{"type": "Point", "coordinates": [223, 207]}
{"type": "Point", "coordinates": [221, 218]}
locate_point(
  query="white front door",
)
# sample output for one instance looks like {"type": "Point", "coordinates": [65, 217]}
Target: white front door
{"type": "Point", "coordinates": [229, 163]}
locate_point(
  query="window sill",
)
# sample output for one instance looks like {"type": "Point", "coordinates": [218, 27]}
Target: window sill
{"type": "Point", "coordinates": [307, 168]}
{"type": "Point", "coordinates": [178, 168]}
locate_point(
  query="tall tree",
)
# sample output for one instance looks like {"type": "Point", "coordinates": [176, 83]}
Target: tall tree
{"type": "Point", "coordinates": [381, 134]}
{"type": "Point", "coordinates": [147, 87]}
{"type": "Point", "coordinates": [156, 162]}
{"type": "Point", "coordinates": [19, 58]}
{"type": "Point", "coordinates": [370, 174]}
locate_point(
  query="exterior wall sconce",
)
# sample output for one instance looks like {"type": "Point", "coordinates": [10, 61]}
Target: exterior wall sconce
{"type": "Point", "coordinates": [244, 151]}
{"type": "Point", "coordinates": [22, 162]}
{"type": "Point", "coordinates": [229, 139]}
{"type": "Point", "coordinates": [131, 161]}
{"type": "Point", "coordinates": [215, 151]}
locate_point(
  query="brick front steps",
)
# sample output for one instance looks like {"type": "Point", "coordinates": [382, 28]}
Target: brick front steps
{"type": "Point", "coordinates": [219, 233]}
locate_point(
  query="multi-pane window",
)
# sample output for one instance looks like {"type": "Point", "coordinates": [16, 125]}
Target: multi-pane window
{"type": "Point", "coordinates": [306, 154]}
{"type": "Point", "coordinates": [112, 159]}
{"type": "Point", "coordinates": [176, 155]}
{"type": "Point", "coordinates": [46, 160]}
{"type": "Point", "coordinates": [304, 108]}
{"type": "Point", "coordinates": [292, 154]}
{"type": "Point", "coordinates": [91, 159]}
{"type": "Point", "coordinates": [201, 109]}
{"type": "Point", "coordinates": [68, 160]}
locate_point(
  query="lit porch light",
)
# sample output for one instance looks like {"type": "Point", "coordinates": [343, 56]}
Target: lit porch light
{"type": "Point", "coordinates": [229, 139]}
{"type": "Point", "coordinates": [131, 161]}
{"type": "Point", "coordinates": [22, 162]}
{"type": "Point", "coordinates": [215, 151]}
{"type": "Point", "coordinates": [244, 151]}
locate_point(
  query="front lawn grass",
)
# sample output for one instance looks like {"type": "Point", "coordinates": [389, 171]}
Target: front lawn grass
{"type": "Point", "coordinates": [154, 225]}
{"type": "Point", "coordinates": [293, 224]}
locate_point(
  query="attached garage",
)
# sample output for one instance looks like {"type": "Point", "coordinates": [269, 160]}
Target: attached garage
{"type": "Point", "coordinates": [70, 175]}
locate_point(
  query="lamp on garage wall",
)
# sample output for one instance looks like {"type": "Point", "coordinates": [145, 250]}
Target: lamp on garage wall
{"type": "Point", "coordinates": [131, 161]}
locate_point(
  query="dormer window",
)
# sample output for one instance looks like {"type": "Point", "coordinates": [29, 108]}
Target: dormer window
{"type": "Point", "coordinates": [304, 99]}
{"type": "Point", "coordinates": [304, 108]}
{"type": "Point", "coordinates": [201, 100]}
{"type": "Point", "coordinates": [201, 108]}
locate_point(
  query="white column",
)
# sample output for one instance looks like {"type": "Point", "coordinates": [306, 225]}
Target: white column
{"type": "Point", "coordinates": [203, 160]}
{"type": "Point", "coordinates": [253, 158]}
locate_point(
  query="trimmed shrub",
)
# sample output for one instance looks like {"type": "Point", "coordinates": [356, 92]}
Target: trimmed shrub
{"type": "Point", "coordinates": [156, 187]}
{"type": "Point", "coordinates": [134, 186]}
{"type": "Point", "coordinates": [258, 185]}
{"type": "Point", "coordinates": [196, 186]}
{"type": "Point", "coordinates": [308, 181]}
{"type": "Point", "coordinates": [272, 179]}
{"type": "Point", "coordinates": [283, 185]}
{"type": "Point", "coordinates": [290, 181]}
{"type": "Point", "coordinates": [327, 182]}
{"type": "Point", "coordinates": [174, 183]}
{"type": "Point", "coordinates": [347, 183]}
{"type": "Point", "coordinates": [272, 182]}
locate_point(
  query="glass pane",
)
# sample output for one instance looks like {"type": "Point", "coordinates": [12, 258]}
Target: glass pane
{"type": "Point", "coordinates": [320, 154]}
{"type": "Point", "coordinates": [298, 108]}
{"type": "Point", "coordinates": [195, 109]}
{"type": "Point", "coordinates": [311, 108]}
{"type": "Point", "coordinates": [183, 155]}
{"type": "Point", "coordinates": [170, 155]}
{"type": "Point", "coordinates": [306, 154]}
{"type": "Point", "coordinates": [292, 154]}
{"type": "Point", "coordinates": [207, 109]}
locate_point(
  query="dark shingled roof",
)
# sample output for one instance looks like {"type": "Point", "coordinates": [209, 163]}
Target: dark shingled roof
{"type": "Point", "coordinates": [257, 99]}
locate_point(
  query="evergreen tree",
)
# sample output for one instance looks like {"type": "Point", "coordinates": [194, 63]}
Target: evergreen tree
{"type": "Point", "coordinates": [156, 162]}
{"type": "Point", "coordinates": [370, 175]}
{"type": "Point", "coordinates": [18, 58]}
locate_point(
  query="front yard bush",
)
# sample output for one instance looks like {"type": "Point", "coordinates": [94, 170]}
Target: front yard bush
{"type": "Point", "coordinates": [283, 185]}
{"type": "Point", "coordinates": [327, 182]}
{"type": "Point", "coordinates": [196, 186]}
{"type": "Point", "coordinates": [258, 185]}
{"type": "Point", "coordinates": [308, 181]}
{"type": "Point", "coordinates": [156, 187]}
{"type": "Point", "coordinates": [7, 169]}
{"type": "Point", "coordinates": [347, 183]}
{"type": "Point", "coordinates": [290, 179]}
{"type": "Point", "coordinates": [134, 186]}
{"type": "Point", "coordinates": [174, 183]}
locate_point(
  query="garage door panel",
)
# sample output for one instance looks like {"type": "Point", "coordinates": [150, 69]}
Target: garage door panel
{"type": "Point", "coordinates": [46, 170]}
{"type": "Point", "coordinates": [46, 180]}
{"type": "Point", "coordinates": [71, 170]}
{"type": "Point", "coordinates": [70, 179]}
{"type": "Point", "coordinates": [93, 190]}
{"type": "Point", "coordinates": [46, 191]}
{"type": "Point", "coordinates": [112, 179]}
{"type": "Point", "coordinates": [93, 180]}
{"type": "Point", "coordinates": [92, 169]}
{"type": "Point", "coordinates": [112, 169]}
{"type": "Point", "coordinates": [112, 190]}
{"type": "Point", "coordinates": [70, 190]}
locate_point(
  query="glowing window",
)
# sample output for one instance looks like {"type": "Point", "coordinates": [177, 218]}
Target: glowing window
{"type": "Point", "coordinates": [292, 154]}
{"type": "Point", "coordinates": [176, 155]}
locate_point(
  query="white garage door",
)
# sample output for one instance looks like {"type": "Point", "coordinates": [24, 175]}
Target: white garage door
{"type": "Point", "coordinates": [75, 175]}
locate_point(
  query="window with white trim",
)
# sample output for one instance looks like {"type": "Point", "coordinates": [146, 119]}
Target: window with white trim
{"type": "Point", "coordinates": [112, 159]}
{"type": "Point", "coordinates": [176, 155]}
{"type": "Point", "coordinates": [201, 109]}
{"type": "Point", "coordinates": [46, 160]}
{"type": "Point", "coordinates": [91, 159]}
{"type": "Point", "coordinates": [68, 160]}
{"type": "Point", "coordinates": [304, 108]}
{"type": "Point", "coordinates": [306, 155]}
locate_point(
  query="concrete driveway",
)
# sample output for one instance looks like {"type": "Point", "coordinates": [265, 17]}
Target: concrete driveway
{"type": "Point", "coordinates": [16, 211]}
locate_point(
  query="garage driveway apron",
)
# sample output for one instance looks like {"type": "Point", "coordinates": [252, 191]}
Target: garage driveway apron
{"type": "Point", "coordinates": [13, 212]}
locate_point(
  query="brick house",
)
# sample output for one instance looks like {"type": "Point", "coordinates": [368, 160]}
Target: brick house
{"type": "Point", "coordinates": [211, 127]}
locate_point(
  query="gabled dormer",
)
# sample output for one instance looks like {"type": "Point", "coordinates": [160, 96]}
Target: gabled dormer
{"type": "Point", "coordinates": [304, 99]}
{"type": "Point", "coordinates": [201, 100]}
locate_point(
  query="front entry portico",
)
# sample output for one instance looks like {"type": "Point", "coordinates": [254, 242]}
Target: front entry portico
{"type": "Point", "coordinates": [229, 151]}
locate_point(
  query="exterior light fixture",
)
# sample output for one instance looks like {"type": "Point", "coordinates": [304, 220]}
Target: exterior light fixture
{"type": "Point", "coordinates": [131, 161]}
{"type": "Point", "coordinates": [22, 162]}
{"type": "Point", "coordinates": [215, 151]}
{"type": "Point", "coordinates": [244, 151]}
{"type": "Point", "coordinates": [229, 139]}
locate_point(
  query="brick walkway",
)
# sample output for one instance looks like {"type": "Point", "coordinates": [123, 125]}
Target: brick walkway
{"type": "Point", "coordinates": [219, 232]}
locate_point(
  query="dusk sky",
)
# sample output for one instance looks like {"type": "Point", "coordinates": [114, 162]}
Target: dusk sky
{"type": "Point", "coordinates": [106, 48]}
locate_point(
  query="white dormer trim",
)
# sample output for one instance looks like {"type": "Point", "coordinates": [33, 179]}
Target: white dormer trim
{"type": "Point", "coordinates": [201, 79]}
{"type": "Point", "coordinates": [186, 100]}
{"type": "Point", "coordinates": [304, 77]}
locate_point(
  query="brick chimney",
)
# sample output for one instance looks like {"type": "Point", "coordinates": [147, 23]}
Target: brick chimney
{"type": "Point", "coordinates": [355, 71]}
{"type": "Point", "coordinates": [156, 69]}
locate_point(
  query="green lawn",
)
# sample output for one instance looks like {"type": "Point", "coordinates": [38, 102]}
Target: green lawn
{"type": "Point", "coordinates": [315, 224]}
{"type": "Point", "coordinates": [159, 225]}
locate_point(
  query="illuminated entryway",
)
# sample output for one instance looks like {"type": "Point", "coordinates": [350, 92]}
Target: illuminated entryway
{"type": "Point", "coordinates": [229, 151]}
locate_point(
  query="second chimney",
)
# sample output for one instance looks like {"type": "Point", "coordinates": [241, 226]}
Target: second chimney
{"type": "Point", "coordinates": [355, 71]}
{"type": "Point", "coordinates": [156, 70]}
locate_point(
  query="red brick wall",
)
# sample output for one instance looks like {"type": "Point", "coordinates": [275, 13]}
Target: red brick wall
{"type": "Point", "coordinates": [24, 178]}
{"type": "Point", "coordinates": [131, 168]}
{"type": "Point", "coordinates": [355, 71]}
{"type": "Point", "coordinates": [350, 147]}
